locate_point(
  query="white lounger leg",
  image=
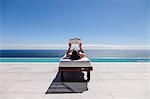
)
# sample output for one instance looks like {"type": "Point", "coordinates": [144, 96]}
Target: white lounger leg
{"type": "Point", "coordinates": [88, 76]}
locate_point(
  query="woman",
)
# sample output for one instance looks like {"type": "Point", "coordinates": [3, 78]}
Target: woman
{"type": "Point", "coordinates": [75, 55]}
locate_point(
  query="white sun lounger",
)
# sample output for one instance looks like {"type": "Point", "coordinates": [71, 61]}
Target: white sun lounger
{"type": "Point", "coordinates": [82, 64]}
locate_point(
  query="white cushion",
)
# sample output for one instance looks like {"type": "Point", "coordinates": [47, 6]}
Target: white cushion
{"type": "Point", "coordinates": [66, 62]}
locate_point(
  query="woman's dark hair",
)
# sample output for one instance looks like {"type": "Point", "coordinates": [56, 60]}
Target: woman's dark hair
{"type": "Point", "coordinates": [75, 55]}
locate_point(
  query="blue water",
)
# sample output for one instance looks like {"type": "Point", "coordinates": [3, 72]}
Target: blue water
{"type": "Point", "coordinates": [57, 60]}
{"type": "Point", "coordinates": [55, 55]}
{"type": "Point", "coordinates": [60, 53]}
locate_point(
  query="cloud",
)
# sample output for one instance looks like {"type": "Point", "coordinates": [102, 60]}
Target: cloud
{"type": "Point", "coordinates": [65, 46]}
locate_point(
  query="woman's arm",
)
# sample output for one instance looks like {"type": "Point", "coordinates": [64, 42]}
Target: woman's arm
{"type": "Point", "coordinates": [80, 46]}
{"type": "Point", "coordinates": [69, 49]}
{"type": "Point", "coordinates": [81, 53]}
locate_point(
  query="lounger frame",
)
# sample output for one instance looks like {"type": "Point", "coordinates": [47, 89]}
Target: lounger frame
{"type": "Point", "coordinates": [75, 69]}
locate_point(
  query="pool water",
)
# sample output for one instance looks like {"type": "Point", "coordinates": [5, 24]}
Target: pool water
{"type": "Point", "coordinates": [57, 59]}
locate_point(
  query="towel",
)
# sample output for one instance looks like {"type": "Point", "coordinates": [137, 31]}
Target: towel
{"type": "Point", "coordinates": [66, 62]}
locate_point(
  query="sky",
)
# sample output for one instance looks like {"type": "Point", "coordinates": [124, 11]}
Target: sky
{"type": "Point", "coordinates": [112, 22]}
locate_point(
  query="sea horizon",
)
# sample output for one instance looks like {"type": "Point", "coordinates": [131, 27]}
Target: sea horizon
{"type": "Point", "coordinates": [19, 55]}
{"type": "Point", "coordinates": [5, 53]}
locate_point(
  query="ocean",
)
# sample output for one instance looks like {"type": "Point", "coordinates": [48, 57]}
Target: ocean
{"type": "Point", "coordinates": [93, 55]}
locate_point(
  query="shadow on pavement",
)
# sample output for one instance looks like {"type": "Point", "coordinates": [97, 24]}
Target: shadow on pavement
{"type": "Point", "coordinates": [74, 83]}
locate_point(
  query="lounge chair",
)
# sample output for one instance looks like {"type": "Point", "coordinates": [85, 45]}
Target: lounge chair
{"type": "Point", "coordinates": [68, 65]}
